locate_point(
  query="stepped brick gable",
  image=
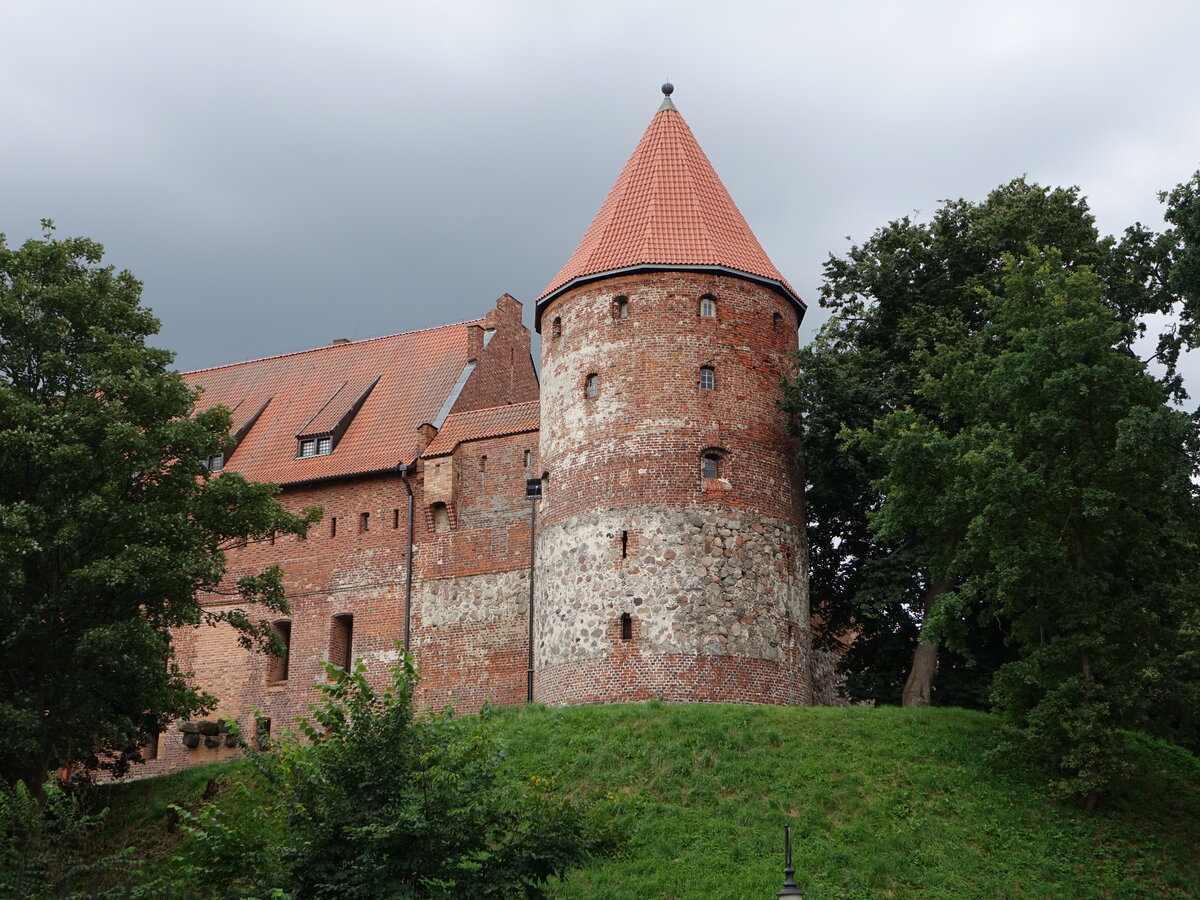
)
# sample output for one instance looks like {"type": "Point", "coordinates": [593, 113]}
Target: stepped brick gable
{"type": "Point", "coordinates": [669, 556]}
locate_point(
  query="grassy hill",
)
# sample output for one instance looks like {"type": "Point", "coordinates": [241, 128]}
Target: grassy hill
{"type": "Point", "coordinates": [883, 803]}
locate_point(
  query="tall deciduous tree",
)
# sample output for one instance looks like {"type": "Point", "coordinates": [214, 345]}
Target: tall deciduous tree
{"type": "Point", "coordinates": [1052, 456]}
{"type": "Point", "coordinates": [110, 524]}
{"type": "Point", "coordinates": [907, 287]}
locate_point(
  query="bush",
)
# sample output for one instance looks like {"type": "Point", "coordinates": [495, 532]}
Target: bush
{"type": "Point", "coordinates": [44, 845]}
{"type": "Point", "coordinates": [378, 802]}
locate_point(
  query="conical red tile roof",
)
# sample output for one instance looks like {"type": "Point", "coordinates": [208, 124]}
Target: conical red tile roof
{"type": "Point", "coordinates": [668, 209]}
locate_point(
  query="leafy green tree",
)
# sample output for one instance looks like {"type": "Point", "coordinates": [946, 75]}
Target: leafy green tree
{"type": "Point", "coordinates": [110, 524]}
{"type": "Point", "coordinates": [1052, 455]}
{"type": "Point", "coordinates": [908, 287]}
{"type": "Point", "coordinates": [377, 802]}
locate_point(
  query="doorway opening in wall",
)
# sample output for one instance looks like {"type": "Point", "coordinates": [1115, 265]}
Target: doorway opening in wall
{"type": "Point", "coordinates": [441, 518]}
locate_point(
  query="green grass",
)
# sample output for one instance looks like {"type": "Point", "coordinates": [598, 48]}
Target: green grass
{"type": "Point", "coordinates": [882, 802]}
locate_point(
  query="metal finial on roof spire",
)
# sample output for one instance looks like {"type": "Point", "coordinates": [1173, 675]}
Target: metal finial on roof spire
{"type": "Point", "coordinates": [667, 90]}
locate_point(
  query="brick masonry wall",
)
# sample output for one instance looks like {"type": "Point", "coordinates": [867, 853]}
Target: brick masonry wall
{"type": "Point", "coordinates": [470, 585]}
{"type": "Point", "coordinates": [716, 579]}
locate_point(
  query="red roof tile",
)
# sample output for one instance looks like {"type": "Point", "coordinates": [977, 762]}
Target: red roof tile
{"type": "Point", "coordinates": [475, 424]}
{"type": "Point", "coordinates": [417, 371]}
{"type": "Point", "coordinates": [668, 208]}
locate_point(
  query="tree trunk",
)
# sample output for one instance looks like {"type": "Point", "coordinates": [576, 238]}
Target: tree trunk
{"type": "Point", "coordinates": [920, 677]}
{"type": "Point", "coordinates": [919, 686]}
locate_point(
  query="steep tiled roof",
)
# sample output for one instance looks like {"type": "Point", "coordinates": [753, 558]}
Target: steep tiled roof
{"type": "Point", "coordinates": [669, 209]}
{"type": "Point", "coordinates": [484, 423]}
{"type": "Point", "coordinates": [416, 371]}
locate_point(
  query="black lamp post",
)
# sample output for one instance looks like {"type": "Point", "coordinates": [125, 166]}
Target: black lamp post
{"type": "Point", "coordinates": [533, 490]}
{"type": "Point", "coordinates": [790, 888]}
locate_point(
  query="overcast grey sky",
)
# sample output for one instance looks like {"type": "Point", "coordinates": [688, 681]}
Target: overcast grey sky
{"type": "Point", "coordinates": [283, 173]}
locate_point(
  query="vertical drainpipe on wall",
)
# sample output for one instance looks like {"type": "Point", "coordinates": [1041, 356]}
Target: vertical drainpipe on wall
{"type": "Point", "coordinates": [533, 490]}
{"type": "Point", "coordinates": [409, 574]}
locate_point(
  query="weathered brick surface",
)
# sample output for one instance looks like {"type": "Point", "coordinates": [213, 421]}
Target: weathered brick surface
{"type": "Point", "coordinates": [470, 585]}
{"type": "Point", "coordinates": [714, 571]}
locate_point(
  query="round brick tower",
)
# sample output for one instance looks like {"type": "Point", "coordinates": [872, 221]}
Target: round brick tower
{"type": "Point", "coordinates": [671, 554]}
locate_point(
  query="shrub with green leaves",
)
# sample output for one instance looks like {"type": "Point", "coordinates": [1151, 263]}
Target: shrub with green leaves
{"type": "Point", "coordinates": [44, 845]}
{"type": "Point", "coordinates": [376, 801]}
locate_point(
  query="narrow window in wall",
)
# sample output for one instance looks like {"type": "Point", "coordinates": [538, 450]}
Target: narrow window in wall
{"type": "Point", "coordinates": [626, 627]}
{"type": "Point", "coordinates": [483, 464]}
{"type": "Point", "coordinates": [272, 538]}
{"type": "Point", "coordinates": [341, 642]}
{"type": "Point", "coordinates": [262, 726]}
{"type": "Point", "coordinates": [621, 308]}
{"type": "Point", "coordinates": [527, 459]}
{"type": "Point", "coordinates": [708, 307]}
{"type": "Point", "coordinates": [592, 386]}
{"type": "Point", "coordinates": [395, 518]}
{"type": "Point", "coordinates": [441, 518]}
{"type": "Point", "coordinates": [777, 321]}
{"type": "Point", "coordinates": [364, 521]}
{"type": "Point", "coordinates": [708, 378]}
{"type": "Point", "coordinates": [556, 327]}
{"type": "Point", "coordinates": [278, 669]}
{"type": "Point", "coordinates": [710, 464]}
{"type": "Point", "coordinates": [333, 527]}
{"type": "Point", "coordinates": [624, 544]}
{"type": "Point", "coordinates": [545, 483]}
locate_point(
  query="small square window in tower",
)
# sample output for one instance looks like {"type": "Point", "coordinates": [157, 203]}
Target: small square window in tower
{"type": "Point", "coordinates": [708, 379]}
{"type": "Point", "coordinates": [708, 307]}
{"type": "Point", "coordinates": [711, 464]}
{"type": "Point", "coordinates": [592, 388]}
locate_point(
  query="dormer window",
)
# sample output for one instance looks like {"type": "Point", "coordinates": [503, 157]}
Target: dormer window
{"type": "Point", "coordinates": [321, 433]}
{"type": "Point", "coordinates": [708, 307]}
{"type": "Point", "coordinates": [215, 463]}
{"type": "Point", "coordinates": [319, 445]}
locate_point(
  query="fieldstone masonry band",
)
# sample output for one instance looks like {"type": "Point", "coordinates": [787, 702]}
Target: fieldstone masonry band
{"type": "Point", "coordinates": [707, 591]}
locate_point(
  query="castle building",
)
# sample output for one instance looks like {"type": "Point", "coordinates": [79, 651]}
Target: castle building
{"type": "Point", "coordinates": [668, 553]}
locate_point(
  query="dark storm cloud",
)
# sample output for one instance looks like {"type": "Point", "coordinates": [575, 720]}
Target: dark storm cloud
{"type": "Point", "coordinates": [281, 174]}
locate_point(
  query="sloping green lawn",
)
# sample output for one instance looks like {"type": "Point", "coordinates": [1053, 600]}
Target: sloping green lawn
{"type": "Point", "coordinates": [882, 802]}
